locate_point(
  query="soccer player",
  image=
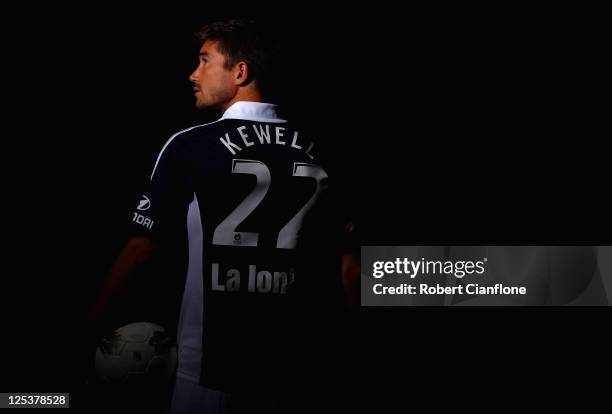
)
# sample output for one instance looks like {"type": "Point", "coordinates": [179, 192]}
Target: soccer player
{"type": "Point", "coordinates": [245, 210]}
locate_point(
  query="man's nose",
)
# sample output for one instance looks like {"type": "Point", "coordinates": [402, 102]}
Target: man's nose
{"type": "Point", "coordinates": [193, 77]}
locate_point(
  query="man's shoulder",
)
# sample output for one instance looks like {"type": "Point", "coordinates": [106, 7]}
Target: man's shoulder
{"type": "Point", "coordinates": [194, 134]}
{"type": "Point", "coordinates": [196, 131]}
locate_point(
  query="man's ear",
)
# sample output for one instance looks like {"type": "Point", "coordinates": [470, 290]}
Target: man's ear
{"type": "Point", "coordinates": [241, 73]}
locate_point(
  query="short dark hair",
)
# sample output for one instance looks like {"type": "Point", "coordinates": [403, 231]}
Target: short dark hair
{"type": "Point", "coordinates": [248, 41]}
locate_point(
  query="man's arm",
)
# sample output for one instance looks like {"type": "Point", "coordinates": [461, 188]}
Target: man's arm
{"type": "Point", "coordinates": [351, 272]}
{"type": "Point", "coordinates": [137, 251]}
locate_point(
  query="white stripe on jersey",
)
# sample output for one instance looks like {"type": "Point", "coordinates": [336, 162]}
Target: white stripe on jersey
{"type": "Point", "coordinates": [191, 319]}
{"type": "Point", "coordinates": [174, 136]}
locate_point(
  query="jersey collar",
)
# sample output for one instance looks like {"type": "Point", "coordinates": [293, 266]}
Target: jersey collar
{"type": "Point", "coordinates": [252, 111]}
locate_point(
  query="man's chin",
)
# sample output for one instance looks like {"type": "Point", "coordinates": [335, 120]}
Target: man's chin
{"type": "Point", "coordinates": [204, 105]}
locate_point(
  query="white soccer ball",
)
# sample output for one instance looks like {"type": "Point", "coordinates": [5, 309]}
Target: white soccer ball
{"type": "Point", "coordinates": [137, 354]}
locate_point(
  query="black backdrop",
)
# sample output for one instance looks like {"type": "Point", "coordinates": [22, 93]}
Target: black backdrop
{"type": "Point", "coordinates": [452, 126]}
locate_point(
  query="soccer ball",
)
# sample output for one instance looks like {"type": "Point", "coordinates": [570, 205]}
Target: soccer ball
{"type": "Point", "coordinates": [139, 354]}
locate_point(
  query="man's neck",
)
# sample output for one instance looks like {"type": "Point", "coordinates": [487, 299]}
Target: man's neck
{"type": "Point", "coordinates": [245, 96]}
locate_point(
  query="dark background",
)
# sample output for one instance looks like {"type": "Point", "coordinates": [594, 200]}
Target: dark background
{"type": "Point", "coordinates": [451, 126]}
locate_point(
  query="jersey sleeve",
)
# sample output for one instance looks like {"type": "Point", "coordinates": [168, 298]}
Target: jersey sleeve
{"type": "Point", "coordinates": [162, 207]}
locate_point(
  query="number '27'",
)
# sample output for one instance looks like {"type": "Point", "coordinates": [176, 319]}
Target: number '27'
{"type": "Point", "coordinates": [226, 234]}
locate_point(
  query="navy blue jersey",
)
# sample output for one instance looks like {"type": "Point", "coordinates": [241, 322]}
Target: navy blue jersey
{"type": "Point", "coordinates": [248, 203]}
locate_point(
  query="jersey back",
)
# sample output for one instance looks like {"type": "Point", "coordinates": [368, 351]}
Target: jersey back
{"type": "Point", "coordinates": [249, 206]}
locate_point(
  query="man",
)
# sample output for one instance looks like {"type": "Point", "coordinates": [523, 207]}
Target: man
{"type": "Point", "coordinates": [245, 208]}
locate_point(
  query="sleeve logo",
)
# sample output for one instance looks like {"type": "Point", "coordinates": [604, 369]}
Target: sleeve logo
{"type": "Point", "coordinates": [144, 204]}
